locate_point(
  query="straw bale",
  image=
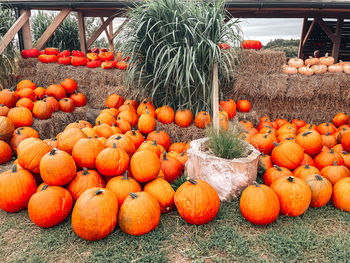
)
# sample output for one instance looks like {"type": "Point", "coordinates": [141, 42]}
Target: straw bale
{"type": "Point", "coordinates": [59, 120]}
{"type": "Point", "coordinates": [261, 62]}
{"type": "Point", "coordinates": [178, 134]}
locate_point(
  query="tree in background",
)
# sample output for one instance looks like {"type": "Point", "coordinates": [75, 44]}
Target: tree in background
{"type": "Point", "coordinates": [7, 58]}
{"type": "Point", "coordinates": [290, 47]}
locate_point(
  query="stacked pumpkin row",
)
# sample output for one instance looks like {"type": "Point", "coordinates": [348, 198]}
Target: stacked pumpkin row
{"type": "Point", "coordinates": [93, 59]}
{"type": "Point", "coordinates": [29, 100]}
{"type": "Point", "coordinates": [315, 66]}
{"type": "Point", "coordinates": [145, 114]}
{"type": "Point", "coordinates": [108, 185]}
{"type": "Point", "coordinates": [304, 165]}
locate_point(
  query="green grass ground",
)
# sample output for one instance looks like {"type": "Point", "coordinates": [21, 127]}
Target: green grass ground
{"type": "Point", "coordinates": [320, 235]}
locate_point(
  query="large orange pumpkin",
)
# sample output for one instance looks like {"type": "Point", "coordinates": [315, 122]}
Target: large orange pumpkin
{"type": "Point", "coordinates": [122, 186]}
{"type": "Point", "coordinates": [205, 202]}
{"type": "Point", "coordinates": [161, 137]}
{"type": "Point", "coordinates": [163, 192]}
{"type": "Point", "coordinates": [310, 141]}
{"type": "Point", "coordinates": [136, 137]}
{"type": "Point", "coordinates": [95, 214]}
{"type": "Point", "coordinates": [287, 154]}
{"type": "Point", "coordinates": [29, 153]}
{"type": "Point", "coordinates": [139, 214]}
{"type": "Point", "coordinates": [335, 172]}
{"type": "Point", "coordinates": [304, 171]}
{"type": "Point", "coordinates": [123, 142]}
{"type": "Point", "coordinates": [146, 122]}
{"type": "Point", "coordinates": [326, 158]}
{"type": "Point", "coordinates": [56, 91]}
{"type": "Point", "coordinates": [69, 138]}
{"type": "Point", "coordinates": [145, 166]}
{"type": "Point", "coordinates": [16, 188]}
{"type": "Point", "coordinates": [321, 190]}
{"type": "Point", "coordinates": [69, 85]}
{"type": "Point", "coordinates": [50, 206]}
{"type": "Point", "coordinates": [85, 152]}
{"type": "Point", "coordinates": [20, 116]}
{"type": "Point", "coordinates": [165, 114]}
{"type": "Point", "coordinates": [341, 194]}
{"type": "Point", "coordinates": [263, 142]}
{"type": "Point", "coordinates": [8, 98]}
{"type": "Point", "coordinates": [114, 101]}
{"type": "Point", "coordinates": [294, 195]}
{"type": "Point", "coordinates": [112, 161]}
{"type": "Point", "coordinates": [183, 117]}
{"type": "Point", "coordinates": [84, 180]}
{"type": "Point", "coordinates": [259, 204]}
{"type": "Point", "coordinates": [57, 167]}
{"type": "Point", "coordinates": [42, 110]}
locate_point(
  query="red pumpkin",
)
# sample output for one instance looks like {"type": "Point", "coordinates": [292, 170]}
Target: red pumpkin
{"type": "Point", "coordinates": [64, 60]}
{"type": "Point", "coordinates": [108, 64]}
{"type": "Point", "coordinates": [229, 106]}
{"type": "Point", "coordinates": [171, 168]}
{"type": "Point", "coordinates": [251, 44]}
{"type": "Point", "coordinates": [51, 51]}
{"type": "Point", "coordinates": [78, 61]}
{"type": "Point", "coordinates": [66, 105]}
{"type": "Point", "coordinates": [243, 105]}
{"type": "Point", "coordinates": [50, 206]}
{"type": "Point", "coordinates": [93, 64]}
{"type": "Point", "coordinates": [63, 54]}
{"type": "Point", "coordinates": [69, 85]}
{"type": "Point", "coordinates": [47, 58]}
{"type": "Point", "coordinates": [77, 53]}
{"type": "Point", "coordinates": [106, 56]}
{"type": "Point", "coordinates": [56, 91]}
{"type": "Point", "coordinates": [78, 98]}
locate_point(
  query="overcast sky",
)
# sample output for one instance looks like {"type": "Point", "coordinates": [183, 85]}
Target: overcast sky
{"type": "Point", "coordinates": [268, 29]}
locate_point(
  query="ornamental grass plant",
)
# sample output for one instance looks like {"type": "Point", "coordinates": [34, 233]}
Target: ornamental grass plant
{"type": "Point", "coordinates": [173, 45]}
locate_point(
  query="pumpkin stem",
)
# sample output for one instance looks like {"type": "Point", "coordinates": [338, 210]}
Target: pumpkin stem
{"type": "Point", "coordinates": [14, 169]}
{"type": "Point", "coordinates": [99, 191]}
{"type": "Point", "coordinates": [18, 132]}
{"type": "Point", "coordinates": [164, 156]}
{"type": "Point", "coordinates": [133, 195]}
{"type": "Point", "coordinates": [291, 179]}
{"type": "Point", "coordinates": [265, 136]}
{"type": "Point", "coordinates": [328, 133]}
{"type": "Point", "coordinates": [90, 137]}
{"type": "Point", "coordinates": [278, 168]}
{"type": "Point", "coordinates": [306, 133]}
{"type": "Point", "coordinates": [2, 105]}
{"type": "Point", "coordinates": [98, 122]}
{"type": "Point", "coordinates": [114, 145]}
{"type": "Point", "coordinates": [44, 187]}
{"type": "Point", "coordinates": [133, 132]}
{"type": "Point", "coordinates": [54, 139]}
{"type": "Point", "coordinates": [154, 143]}
{"type": "Point", "coordinates": [147, 112]}
{"type": "Point", "coordinates": [335, 163]}
{"type": "Point", "coordinates": [125, 177]}
{"type": "Point", "coordinates": [118, 137]}
{"type": "Point", "coordinates": [192, 181]}
{"type": "Point", "coordinates": [183, 153]}
{"type": "Point", "coordinates": [344, 152]}
{"type": "Point", "coordinates": [263, 154]}
{"type": "Point", "coordinates": [331, 151]}
{"type": "Point", "coordinates": [85, 171]}
{"type": "Point", "coordinates": [307, 166]}
{"type": "Point", "coordinates": [53, 151]}
{"type": "Point", "coordinates": [256, 184]}
{"type": "Point", "coordinates": [318, 177]}
{"type": "Point", "coordinates": [276, 144]}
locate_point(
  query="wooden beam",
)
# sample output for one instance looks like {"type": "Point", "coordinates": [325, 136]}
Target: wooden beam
{"type": "Point", "coordinates": [110, 41]}
{"type": "Point", "coordinates": [26, 34]}
{"type": "Point", "coordinates": [303, 32]}
{"type": "Point", "coordinates": [308, 32]}
{"type": "Point", "coordinates": [336, 43]}
{"type": "Point", "coordinates": [82, 35]}
{"type": "Point", "coordinates": [10, 34]}
{"type": "Point", "coordinates": [326, 29]}
{"type": "Point", "coordinates": [99, 31]}
{"type": "Point", "coordinates": [120, 28]}
{"type": "Point", "coordinates": [52, 28]}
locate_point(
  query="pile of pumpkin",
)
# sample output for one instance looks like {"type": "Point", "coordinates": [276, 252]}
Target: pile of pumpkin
{"type": "Point", "coordinates": [93, 59]}
{"type": "Point", "coordinates": [103, 169]}
{"type": "Point", "coordinates": [29, 100]}
{"type": "Point", "coordinates": [305, 165]}
{"type": "Point", "coordinates": [316, 66]}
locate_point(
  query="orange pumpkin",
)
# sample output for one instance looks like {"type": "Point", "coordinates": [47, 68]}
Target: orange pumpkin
{"type": "Point", "coordinates": [69, 138]}
{"type": "Point", "coordinates": [106, 118]}
{"type": "Point", "coordinates": [84, 180]}
{"type": "Point", "coordinates": [163, 192]}
{"type": "Point", "coordinates": [161, 137]}
{"type": "Point", "coordinates": [6, 128]}
{"type": "Point", "coordinates": [23, 84]}
{"type": "Point", "coordinates": [16, 188]}
{"type": "Point", "coordinates": [5, 152]}
{"type": "Point", "coordinates": [146, 122]}
{"type": "Point", "coordinates": [202, 120]}
{"type": "Point", "coordinates": [56, 91]}
{"type": "Point", "coordinates": [205, 202]}
{"type": "Point", "coordinates": [50, 206]}
{"type": "Point", "coordinates": [112, 161]}
{"type": "Point", "coordinates": [85, 152]}
{"type": "Point", "coordinates": [340, 119]}
{"type": "Point", "coordinates": [335, 172]}
{"type": "Point", "coordinates": [229, 106]}
{"type": "Point", "coordinates": [16, 139]}
{"type": "Point", "coordinates": [139, 214]}
{"type": "Point", "coordinates": [122, 142]}
{"type": "Point", "coordinates": [243, 105]}
{"type": "Point", "coordinates": [165, 115]}
{"type": "Point", "coordinates": [307, 160]}
{"type": "Point", "coordinates": [324, 128]}
{"type": "Point", "coordinates": [95, 214]}
{"type": "Point", "coordinates": [8, 98]}
{"type": "Point", "coordinates": [183, 117]}
{"type": "Point", "coordinates": [310, 141]}
{"type": "Point", "coordinates": [341, 193]}
{"type": "Point", "coordinates": [145, 166]}
{"type": "Point", "coordinates": [171, 168]}
{"type": "Point", "coordinates": [274, 173]}
{"type": "Point", "coordinates": [136, 137]}
{"type": "Point", "coordinates": [69, 85]}
{"type": "Point", "coordinates": [294, 195]}
{"type": "Point", "coordinates": [25, 102]}
{"type": "Point", "coordinates": [328, 157]}
{"type": "Point", "coordinates": [114, 101]}
{"type": "Point", "coordinates": [263, 142]}
{"type": "Point", "coordinates": [329, 140]}
{"type": "Point", "coordinates": [142, 108]}
{"type": "Point", "coordinates": [321, 190]}
{"type": "Point", "coordinates": [42, 110]}
{"type": "Point", "coordinates": [288, 154]}
{"type": "Point", "coordinates": [259, 204]}
{"type": "Point", "coordinates": [178, 147]}
{"type": "Point", "coordinates": [20, 116]}
{"type": "Point", "coordinates": [304, 171]}
{"type": "Point", "coordinates": [4, 110]}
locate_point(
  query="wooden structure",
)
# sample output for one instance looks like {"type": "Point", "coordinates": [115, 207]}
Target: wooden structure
{"type": "Point", "coordinates": [314, 13]}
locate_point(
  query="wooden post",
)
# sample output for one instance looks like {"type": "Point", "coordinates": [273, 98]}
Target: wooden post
{"type": "Point", "coordinates": [216, 98]}
{"type": "Point", "coordinates": [303, 32]}
{"type": "Point", "coordinates": [24, 17]}
{"type": "Point", "coordinates": [82, 36]}
{"type": "Point", "coordinates": [99, 31]}
{"type": "Point", "coordinates": [26, 34]}
{"type": "Point", "coordinates": [108, 34]}
{"type": "Point", "coordinates": [52, 28]}
{"type": "Point", "coordinates": [308, 32]}
{"type": "Point", "coordinates": [336, 44]}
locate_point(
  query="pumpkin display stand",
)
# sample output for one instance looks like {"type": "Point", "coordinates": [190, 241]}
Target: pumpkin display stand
{"type": "Point", "coordinates": [228, 177]}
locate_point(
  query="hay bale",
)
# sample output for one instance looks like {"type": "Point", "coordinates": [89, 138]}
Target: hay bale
{"type": "Point", "coordinates": [59, 120]}
{"type": "Point", "coordinates": [261, 62]}
{"type": "Point", "coordinates": [178, 134]}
